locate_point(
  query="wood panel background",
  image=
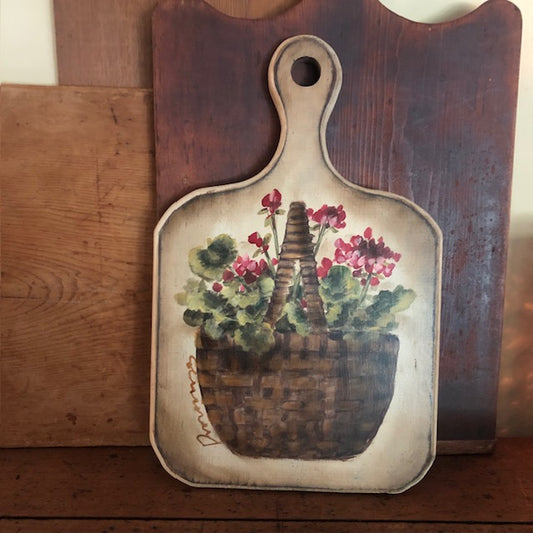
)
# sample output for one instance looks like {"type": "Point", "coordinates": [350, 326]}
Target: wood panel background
{"type": "Point", "coordinates": [77, 181]}
{"type": "Point", "coordinates": [425, 111]}
{"type": "Point", "coordinates": [77, 206]}
{"type": "Point", "coordinates": [109, 42]}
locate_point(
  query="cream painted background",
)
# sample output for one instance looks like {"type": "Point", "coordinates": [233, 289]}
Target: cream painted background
{"type": "Point", "coordinates": [27, 55]}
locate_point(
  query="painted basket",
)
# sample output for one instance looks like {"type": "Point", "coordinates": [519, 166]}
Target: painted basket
{"type": "Point", "coordinates": [308, 397]}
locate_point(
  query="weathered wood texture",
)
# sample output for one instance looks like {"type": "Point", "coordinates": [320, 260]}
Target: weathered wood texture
{"type": "Point", "coordinates": [109, 42]}
{"type": "Point", "coordinates": [129, 482]}
{"type": "Point", "coordinates": [77, 181]}
{"type": "Point", "coordinates": [246, 526]}
{"type": "Point", "coordinates": [426, 111]}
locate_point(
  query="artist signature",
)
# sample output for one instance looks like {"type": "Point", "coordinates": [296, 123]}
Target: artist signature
{"type": "Point", "coordinates": [206, 438]}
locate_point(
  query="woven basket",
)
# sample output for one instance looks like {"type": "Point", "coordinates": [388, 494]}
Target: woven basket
{"type": "Point", "coordinates": [308, 397]}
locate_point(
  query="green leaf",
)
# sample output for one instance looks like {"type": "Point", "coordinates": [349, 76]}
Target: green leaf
{"type": "Point", "coordinates": [295, 318]}
{"type": "Point", "coordinates": [193, 318]}
{"type": "Point", "coordinates": [382, 312]}
{"type": "Point", "coordinates": [256, 338]}
{"type": "Point", "coordinates": [387, 321]}
{"type": "Point", "coordinates": [339, 286]}
{"type": "Point", "coordinates": [266, 286]}
{"type": "Point", "coordinates": [212, 329]}
{"type": "Point", "coordinates": [404, 299]}
{"type": "Point", "coordinates": [337, 314]}
{"type": "Point", "coordinates": [209, 263]}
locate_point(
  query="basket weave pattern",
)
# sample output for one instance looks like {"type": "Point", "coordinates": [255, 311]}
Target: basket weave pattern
{"type": "Point", "coordinates": [309, 397]}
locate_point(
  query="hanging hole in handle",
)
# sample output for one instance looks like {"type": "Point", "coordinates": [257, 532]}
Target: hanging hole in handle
{"type": "Point", "coordinates": [305, 71]}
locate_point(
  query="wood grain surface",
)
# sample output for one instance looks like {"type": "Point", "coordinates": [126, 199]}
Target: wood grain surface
{"type": "Point", "coordinates": [248, 526]}
{"type": "Point", "coordinates": [426, 111]}
{"type": "Point", "coordinates": [116, 483]}
{"type": "Point", "coordinates": [109, 42]}
{"type": "Point", "coordinates": [77, 216]}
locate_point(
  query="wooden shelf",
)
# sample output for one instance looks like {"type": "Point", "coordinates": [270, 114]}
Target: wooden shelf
{"type": "Point", "coordinates": [125, 488]}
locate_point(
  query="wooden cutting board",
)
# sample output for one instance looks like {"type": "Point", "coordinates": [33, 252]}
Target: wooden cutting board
{"type": "Point", "coordinates": [296, 347]}
{"type": "Point", "coordinates": [426, 111]}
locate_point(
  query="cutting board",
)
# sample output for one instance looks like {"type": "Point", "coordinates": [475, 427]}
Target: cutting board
{"type": "Point", "coordinates": [296, 316]}
{"type": "Point", "coordinates": [426, 111]}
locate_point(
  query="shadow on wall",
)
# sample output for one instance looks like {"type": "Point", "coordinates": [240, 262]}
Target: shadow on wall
{"type": "Point", "coordinates": [515, 400]}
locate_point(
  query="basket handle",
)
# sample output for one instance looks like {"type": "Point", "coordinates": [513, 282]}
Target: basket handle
{"type": "Point", "coordinates": [297, 246]}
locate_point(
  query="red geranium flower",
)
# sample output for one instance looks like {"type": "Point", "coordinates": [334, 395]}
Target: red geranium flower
{"type": "Point", "coordinates": [329, 216]}
{"type": "Point", "coordinates": [323, 269]}
{"type": "Point", "coordinates": [228, 275]}
{"type": "Point", "coordinates": [255, 238]}
{"type": "Point", "coordinates": [369, 259]}
{"type": "Point", "coordinates": [272, 202]}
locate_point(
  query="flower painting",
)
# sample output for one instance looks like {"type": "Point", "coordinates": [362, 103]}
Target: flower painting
{"type": "Point", "coordinates": [246, 304]}
{"type": "Point", "coordinates": [232, 288]}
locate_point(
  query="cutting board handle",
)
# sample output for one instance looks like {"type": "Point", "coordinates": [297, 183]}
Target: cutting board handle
{"type": "Point", "coordinates": [304, 79]}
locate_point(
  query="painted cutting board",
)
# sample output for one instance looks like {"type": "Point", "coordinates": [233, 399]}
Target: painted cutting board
{"type": "Point", "coordinates": [296, 316]}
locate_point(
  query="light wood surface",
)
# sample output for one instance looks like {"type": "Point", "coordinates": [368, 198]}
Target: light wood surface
{"type": "Point", "coordinates": [486, 491]}
{"type": "Point", "coordinates": [77, 216]}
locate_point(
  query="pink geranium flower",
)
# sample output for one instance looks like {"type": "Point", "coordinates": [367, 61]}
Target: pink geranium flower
{"type": "Point", "coordinates": [249, 269]}
{"type": "Point", "coordinates": [328, 216]}
{"type": "Point", "coordinates": [369, 259]}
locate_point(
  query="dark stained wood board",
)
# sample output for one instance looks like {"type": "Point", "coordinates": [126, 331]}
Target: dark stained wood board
{"type": "Point", "coordinates": [78, 209]}
{"type": "Point", "coordinates": [109, 42]}
{"type": "Point", "coordinates": [48, 525]}
{"type": "Point", "coordinates": [426, 111]}
{"type": "Point", "coordinates": [115, 483]}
